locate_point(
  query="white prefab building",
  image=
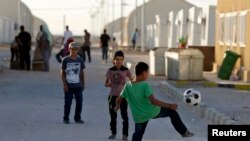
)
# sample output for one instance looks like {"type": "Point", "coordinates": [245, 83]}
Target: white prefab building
{"type": "Point", "coordinates": [162, 22]}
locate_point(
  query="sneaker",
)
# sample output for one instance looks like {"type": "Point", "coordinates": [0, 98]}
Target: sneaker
{"type": "Point", "coordinates": [124, 138]}
{"type": "Point", "coordinates": [66, 122]}
{"type": "Point", "coordinates": [188, 134]}
{"type": "Point", "coordinates": [79, 121]}
{"type": "Point", "coordinates": [112, 136]}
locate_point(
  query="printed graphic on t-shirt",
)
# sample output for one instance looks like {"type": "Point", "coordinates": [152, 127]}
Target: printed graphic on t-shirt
{"type": "Point", "coordinates": [118, 79]}
{"type": "Point", "coordinates": [72, 72]}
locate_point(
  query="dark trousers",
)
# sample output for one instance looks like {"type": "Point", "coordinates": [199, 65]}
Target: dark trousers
{"type": "Point", "coordinates": [77, 92]}
{"type": "Point", "coordinates": [165, 112]}
{"type": "Point", "coordinates": [113, 115]}
{"type": "Point", "coordinates": [133, 44]}
{"type": "Point", "coordinates": [25, 59]}
{"type": "Point", "coordinates": [105, 53]}
{"type": "Point", "coordinates": [14, 54]}
{"type": "Point", "coordinates": [86, 50]}
{"type": "Point", "coordinates": [59, 56]}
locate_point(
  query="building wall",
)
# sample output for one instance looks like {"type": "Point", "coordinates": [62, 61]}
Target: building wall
{"type": "Point", "coordinates": [229, 33]}
{"type": "Point", "coordinates": [9, 8]}
{"type": "Point", "coordinates": [194, 33]}
{"type": "Point", "coordinates": [8, 20]}
{"type": "Point", "coordinates": [26, 18]}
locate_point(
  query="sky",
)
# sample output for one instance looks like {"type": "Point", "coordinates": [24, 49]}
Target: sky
{"type": "Point", "coordinates": [77, 13]}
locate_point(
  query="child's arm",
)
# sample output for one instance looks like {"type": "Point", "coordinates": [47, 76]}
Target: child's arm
{"type": "Point", "coordinates": [131, 78]}
{"type": "Point", "coordinates": [82, 79]}
{"type": "Point", "coordinates": [157, 102]}
{"type": "Point", "coordinates": [107, 82]}
{"type": "Point", "coordinates": [63, 77]}
{"type": "Point", "coordinates": [118, 102]}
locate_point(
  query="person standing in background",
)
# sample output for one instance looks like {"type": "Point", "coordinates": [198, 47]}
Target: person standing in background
{"type": "Point", "coordinates": [86, 46]}
{"type": "Point", "coordinates": [105, 39]}
{"type": "Point", "coordinates": [43, 44]}
{"type": "Point", "coordinates": [24, 48]}
{"type": "Point", "coordinates": [113, 47]}
{"type": "Point", "coordinates": [134, 38]}
{"type": "Point", "coordinates": [67, 34]}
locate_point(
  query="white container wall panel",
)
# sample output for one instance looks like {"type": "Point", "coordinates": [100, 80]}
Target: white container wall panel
{"type": "Point", "coordinates": [171, 30]}
{"type": "Point", "coordinates": [7, 32]}
{"type": "Point", "coordinates": [161, 29]}
{"type": "Point", "coordinates": [194, 37]}
{"type": "Point", "coordinates": [150, 36]}
{"type": "Point", "coordinates": [9, 8]}
{"type": "Point", "coordinates": [1, 30]}
{"type": "Point", "coordinates": [181, 24]}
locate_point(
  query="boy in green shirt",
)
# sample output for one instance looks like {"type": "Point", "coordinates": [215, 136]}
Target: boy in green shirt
{"type": "Point", "coordinates": [144, 106]}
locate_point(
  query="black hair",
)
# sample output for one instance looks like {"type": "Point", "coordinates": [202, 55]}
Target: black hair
{"type": "Point", "coordinates": [119, 53]}
{"type": "Point", "coordinates": [21, 27]}
{"type": "Point", "coordinates": [140, 68]}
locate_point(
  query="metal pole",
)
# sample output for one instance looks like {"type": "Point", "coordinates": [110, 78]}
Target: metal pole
{"type": "Point", "coordinates": [19, 23]}
{"type": "Point", "coordinates": [135, 18]}
{"type": "Point", "coordinates": [142, 27]}
{"type": "Point", "coordinates": [121, 22]}
{"type": "Point", "coordinates": [64, 24]}
{"type": "Point", "coordinates": [113, 12]}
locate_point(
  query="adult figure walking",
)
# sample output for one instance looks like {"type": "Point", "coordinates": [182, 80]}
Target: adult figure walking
{"type": "Point", "coordinates": [86, 46]}
{"type": "Point", "coordinates": [43, 45]}
{"type": "Point", "coordinates": [105, 39]}
{"type": "Point", "coordinates": [134, 38]}
{"type": "Point", "coordinates": [24, 48]}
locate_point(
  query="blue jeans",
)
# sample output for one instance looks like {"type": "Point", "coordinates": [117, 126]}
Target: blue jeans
{"type": "Point", "coordinates": [77, 92]}
{"type": "Point", "coordinates": [165, 112]}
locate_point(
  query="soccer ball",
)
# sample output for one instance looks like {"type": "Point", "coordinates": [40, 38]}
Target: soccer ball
{"type": "Point", "coordinates": [192, 97]}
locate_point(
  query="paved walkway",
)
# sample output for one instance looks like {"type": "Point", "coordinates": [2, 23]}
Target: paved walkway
{"type": "Point", "coordinates": [31, 108]}
{"type": "Point", "coordinates": [31, 105]}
